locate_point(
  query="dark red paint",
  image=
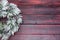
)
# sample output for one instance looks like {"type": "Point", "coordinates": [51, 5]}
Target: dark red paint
{"type": "Point", "coordinates": [41, 20]}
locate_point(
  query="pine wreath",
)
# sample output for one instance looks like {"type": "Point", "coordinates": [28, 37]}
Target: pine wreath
{"type": "Point", "coordinates": [10, 18]}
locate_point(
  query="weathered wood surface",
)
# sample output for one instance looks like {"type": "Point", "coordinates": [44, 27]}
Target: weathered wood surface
{"type": "Point", "coordinates": [41, 20]}
{"type": "Point", "coordinates": [35, 37]}
{"type": "Point", "coordinates": [41, 11]}
{"type": "Point", "coordinates": [39, 30]}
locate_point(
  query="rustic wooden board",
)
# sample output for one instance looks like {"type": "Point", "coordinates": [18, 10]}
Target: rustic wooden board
{"type": "Point", "coordinates": [28, 2]}
{"type": "Point", "coordinates": [36, 2]}
{"type": "Point", "coordinates": [40, 10]}
{"type": "Point", "coordinates": [35, 37]}
{"type": "Point", "coordinates": [39, 30]}
{"type": "Point", "coordinates": [41, 19]}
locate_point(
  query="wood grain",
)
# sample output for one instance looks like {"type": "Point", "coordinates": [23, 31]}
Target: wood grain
{"type": "Point", "coordinates": [37, 10]}
{"type": "Point", "coordinates": [39, 30]}
{"type": "Point", "coordinates": [41, 20]}
{"type": "Point", "coordinates": [35, 37]}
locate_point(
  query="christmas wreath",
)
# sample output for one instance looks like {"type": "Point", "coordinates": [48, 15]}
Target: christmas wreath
{"type": "Point", "coordinates": [10, 18]}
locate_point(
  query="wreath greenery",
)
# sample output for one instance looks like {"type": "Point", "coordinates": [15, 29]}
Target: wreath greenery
{"type": "Point", "coordinates": [10, 18]}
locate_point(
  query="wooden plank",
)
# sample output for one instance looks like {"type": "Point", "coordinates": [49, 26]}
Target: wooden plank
{"type": "Point", "coordinates": [41, 2]}
{"type": "Point", "coordinates": [39, 30]}
{"type": "Point", "coordinates": [36, 2]}
{"type": "Point", "coordinates": [41, 19]}
{"type": "Point", "coordinates": [40, 11]}
{"type": "Point", "coordinates": [35, 37]}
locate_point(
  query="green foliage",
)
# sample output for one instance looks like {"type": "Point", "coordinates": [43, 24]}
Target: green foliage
{"type": "Point", "coordinates": [1, 7]}
{"type": "Point", "coordinates": [11, 12]}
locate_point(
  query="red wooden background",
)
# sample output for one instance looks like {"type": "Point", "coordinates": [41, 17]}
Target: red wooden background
{"type": "Point", "coordinates": [41, 20]}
